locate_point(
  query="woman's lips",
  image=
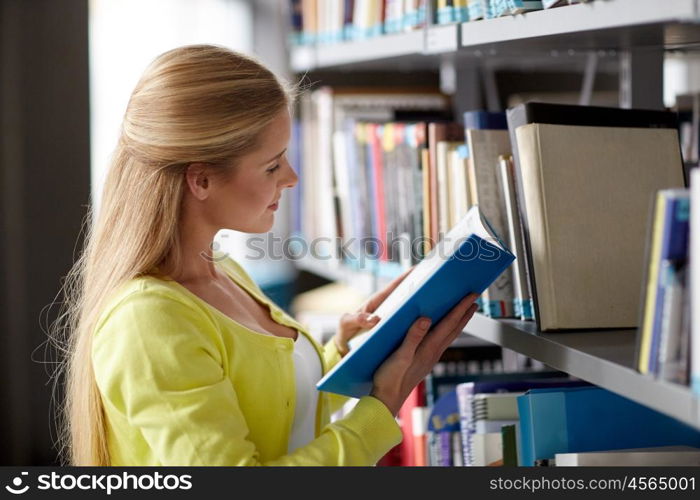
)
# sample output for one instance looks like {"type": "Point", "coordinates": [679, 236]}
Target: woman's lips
{"type": "Point", "coordinates": [274, 206]}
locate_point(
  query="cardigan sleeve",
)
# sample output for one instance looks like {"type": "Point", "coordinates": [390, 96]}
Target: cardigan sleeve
{"type": "Point", "coordinates": [158, 363]}
{"type": "Point", "coordinates": [332, 357]}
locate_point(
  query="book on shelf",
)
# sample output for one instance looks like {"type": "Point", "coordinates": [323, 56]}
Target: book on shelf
{"type": "Point", "coordinates": [661, 323]}
{"type": "Point", "coordinates": [580, 188]}
{"type": "Point", "coordinates": [437, 133]}
{"type": "Point", "coordinates": [467, 260]}
{"type": "Point", "coordinates": [509, 445]}
{"type": "Point", "coordinates": [359, 168]}
{"type": "Point", "coordinates": [523, 307]}
{"type": "Point", "coordinates": [497, 402]}
{"type": "Point", "coordinates": [451, 11]}
{"type": "Point", "coordinates": [443, 425]}
{"type": "Point", "coordinates": [322, 22]}
{"type": "Point", "coordinates": [457, 184]}
{"type": "Point", "coordinates": [485, 147]}
{"type": "Point", "coordinates": [677, 456]}
{"type": "Point", "coordinates": [581, 419]}
{"type": "Point", "coordinates": [419, 435]}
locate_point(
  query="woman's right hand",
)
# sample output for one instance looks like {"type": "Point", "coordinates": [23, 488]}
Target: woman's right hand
{"type": "Point", "coordinates": [418, 353]}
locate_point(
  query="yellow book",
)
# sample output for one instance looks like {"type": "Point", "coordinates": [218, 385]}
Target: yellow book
{"type": "Point", "coordinates": [652, 283]}
{"type": "Point", "coordinates": [425, 159]}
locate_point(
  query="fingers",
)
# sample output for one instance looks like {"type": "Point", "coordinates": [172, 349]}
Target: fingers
{"type": "Point", "coordinates": [460, 326]}
{"type": "Point", "coordinates": [414, 337]}
{"type": "Point", "coordinates": [358, 321]}
{"type": "Point", "coordinates": [376, 299]}
{"type": "Point", "coordinates": [450, 327]}
{"type": "Point", "coordinates": [452, 319]}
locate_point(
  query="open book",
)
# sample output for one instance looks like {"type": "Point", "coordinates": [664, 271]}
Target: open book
{"type": "Point", "coordinates": [468, 259]}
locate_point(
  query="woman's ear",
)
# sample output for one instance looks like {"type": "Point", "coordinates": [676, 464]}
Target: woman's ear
{"type": "Point", "coordinates": [198, 180]}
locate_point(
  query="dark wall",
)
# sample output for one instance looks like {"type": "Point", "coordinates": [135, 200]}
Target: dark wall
{"type": "Point", "coordinates": [44, 190]}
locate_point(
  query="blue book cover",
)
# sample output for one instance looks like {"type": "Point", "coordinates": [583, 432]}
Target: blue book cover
{"type": "Point", "coordinates": [591, 419]}
{"type": "Point", "coordinates": [674, 247]}
{"type": "Point", "coordinates": [519, 383]}
{"type": "Point", "coordinates": [468, 259]}
{"type": "Point", "coordinates": [485, 120]}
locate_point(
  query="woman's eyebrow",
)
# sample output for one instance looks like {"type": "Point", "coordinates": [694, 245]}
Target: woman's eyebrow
{"type": "Point", "coordinates": [274, 157]}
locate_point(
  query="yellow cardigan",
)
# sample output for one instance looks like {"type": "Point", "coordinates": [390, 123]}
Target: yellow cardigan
{"type": "Point", "coordinates": [184, 384]}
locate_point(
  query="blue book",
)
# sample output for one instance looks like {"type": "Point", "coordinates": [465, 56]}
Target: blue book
{"type": "Point", "coordinates": [590, 419]}
{"type": "Point", "coordinates": [468, 259]}
{"type": "Point", "coordinates": [519, 383]}
{"type": "Point", "coordinates": [674, 248]}
{"type": "Point", "coordinates": [485, 120]}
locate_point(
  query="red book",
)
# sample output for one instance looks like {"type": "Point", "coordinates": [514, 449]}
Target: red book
{"type": "Point", "coordinates": [408, 445]}
{"type": "Point", "coordinates": [375, 141]}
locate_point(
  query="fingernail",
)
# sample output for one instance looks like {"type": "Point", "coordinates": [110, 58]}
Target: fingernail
{"type": "Point", "coordinates": [424, 323]}
{"type": "Point", "coordinates": [371, 317]}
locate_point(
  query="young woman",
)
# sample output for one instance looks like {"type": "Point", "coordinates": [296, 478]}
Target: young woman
{"type": "Point", "coordinates": [176, 357]}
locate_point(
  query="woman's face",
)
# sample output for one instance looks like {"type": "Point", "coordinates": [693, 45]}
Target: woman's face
{"type": "Point", "coordinates": [247, 199]}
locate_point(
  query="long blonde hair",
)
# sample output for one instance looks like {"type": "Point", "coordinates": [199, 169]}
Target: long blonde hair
{"type": "Point", "coordinates": [198, 103]}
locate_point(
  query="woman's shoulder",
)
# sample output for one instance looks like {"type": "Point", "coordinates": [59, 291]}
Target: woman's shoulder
{"type": "Point", "coordinates": [149, 299]}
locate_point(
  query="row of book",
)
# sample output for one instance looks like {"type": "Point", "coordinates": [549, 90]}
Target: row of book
{"type": "Point", "coordinates": [572, 205]}
{"type": "Point", "coordinates": [536, 418]}
{"type": "Point", "coordinates": [329, 21]}
{"type": "Point", "coordinates": [668, 347]}
{"type": "Point", "coordinates": [568, 188]}
{"type": "Point", "coordinates": [664, 337]}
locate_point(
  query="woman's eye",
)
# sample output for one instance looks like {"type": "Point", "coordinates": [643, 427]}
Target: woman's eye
{"type": "Point", "coordinates": [270, 170]}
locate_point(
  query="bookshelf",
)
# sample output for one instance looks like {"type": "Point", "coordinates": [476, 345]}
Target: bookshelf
{"type": "Point", "coordinates": [603, 24]}
{"type": "Point", "coordinates": [644, 28]}
{"type": "Point", "coordinates": [602, 357]}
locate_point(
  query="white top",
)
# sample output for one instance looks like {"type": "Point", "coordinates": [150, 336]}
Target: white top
{"type": "Point", "coordinates": [308, 371]}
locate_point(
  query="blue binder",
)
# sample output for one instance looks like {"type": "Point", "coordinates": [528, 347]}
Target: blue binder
{"type": "Point", "coordinates": [592, 419]}
{"type": "Point", "coordinates": [468, 259]}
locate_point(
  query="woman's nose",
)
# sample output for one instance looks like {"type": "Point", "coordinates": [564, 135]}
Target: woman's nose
{"type": "Point", "coordinates": [291, 178]}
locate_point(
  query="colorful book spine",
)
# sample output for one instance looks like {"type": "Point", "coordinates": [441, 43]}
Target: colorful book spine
{"type": "Point", "coordinates": [674, 252]}
{"type": "Point", "coordinates": [669, 219]}
{"type": "Point", "coordinates": [444, 12]}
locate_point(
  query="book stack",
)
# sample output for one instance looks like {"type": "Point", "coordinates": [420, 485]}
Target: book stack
{"type": "Point", "coordinates": [361, 178]}
{"type": "Point", "coordinates": [663, 342]}
{"type": "Point", "coordinates": [537, 419]}
{"type": "Point", "coordinates": [584, 179]}
{"type": "Point", "coordinates": [332, 21]}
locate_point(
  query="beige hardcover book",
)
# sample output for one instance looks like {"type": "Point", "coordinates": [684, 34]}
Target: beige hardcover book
{"type": "Point", "coordinates": [587, 196]}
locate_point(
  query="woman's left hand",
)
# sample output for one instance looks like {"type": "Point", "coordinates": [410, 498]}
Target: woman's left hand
{"type": "Point", "coordinates": [363, 319]}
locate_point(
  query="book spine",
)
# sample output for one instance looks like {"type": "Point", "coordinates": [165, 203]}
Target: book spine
{"type": "Point", "coordinates": [419, 416]}
{"type": "Point", "coordinates": [652, 285]}
{"type": "Point", "coordinates": [445, 444]}
{"type": "Point", "coordinates": [672, 321]}
{"type": "Point", "coordinates": [522, 301]}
